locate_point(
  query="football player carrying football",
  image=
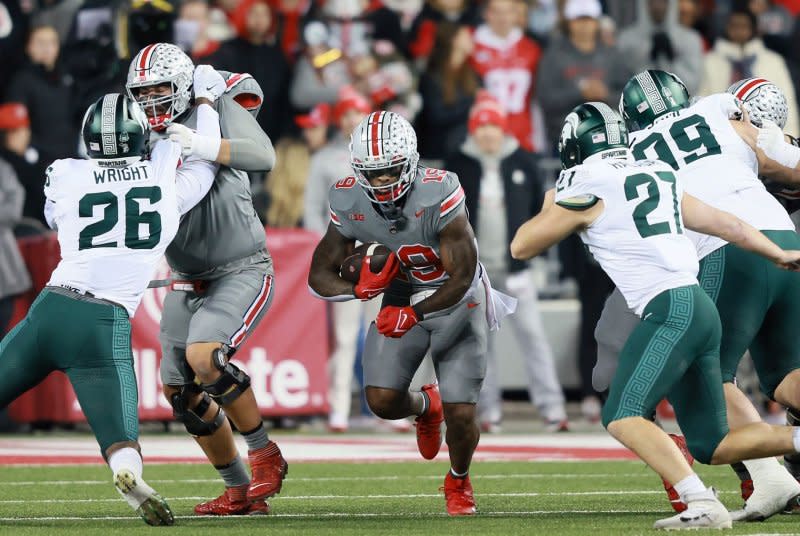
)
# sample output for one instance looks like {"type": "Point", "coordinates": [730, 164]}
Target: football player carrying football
{"type": "Point", "coordinates": [436, 295]}
{"type": "Point", "coordinates": [222, 274]}
{"type": "Point", "coordinates": [115, 215]}
{"type": "Point", "coordinates": [717, 155]}
{"type": "Point", "coordinates": [633, 217]}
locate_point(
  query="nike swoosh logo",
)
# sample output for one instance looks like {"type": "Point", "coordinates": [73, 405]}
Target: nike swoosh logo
{"type": "Point", "coordinates": [419, 213]}
{"type": "Point", "coordinates": [209, 88]}
{"type": "Point", "coordinates": [472, 305]}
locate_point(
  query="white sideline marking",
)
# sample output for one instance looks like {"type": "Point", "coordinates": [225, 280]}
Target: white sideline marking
{"type": "Point", "coordinates": [324, 479]}
{"type": "Point", "coordinates": [371, 496]}
{"type": "Point", "coordinates": [409, 515]}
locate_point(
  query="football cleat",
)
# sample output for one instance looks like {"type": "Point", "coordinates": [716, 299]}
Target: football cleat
{"type": "Point", "coordinates": [769, 498]}
{"type": "Point", "coordinates": [674, 497]}
{"type": "Point", "coordinates": [143, 499]}
{"type": "Point", "coordinates": [556, 426]}
{"type": "Point", "coordinates": [429, 424]}
{"type": "Point", "coordinates": [268, 470]}
{"type": "Point", "coordinates": [703, 511]}
{"type": "Point", "coordinates": [458, 495]}
{"type": "Point", "coordinates": [792, 506]}
{"type": "Point", "coordinates": [232, 503]}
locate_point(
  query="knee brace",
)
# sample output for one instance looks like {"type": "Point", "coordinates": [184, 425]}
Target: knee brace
{"type": "Point", "coordinates": [192, 418]}
{"type": "Point", "coordinates": [231, 384]}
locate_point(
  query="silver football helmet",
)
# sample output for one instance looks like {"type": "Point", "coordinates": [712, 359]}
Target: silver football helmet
{"type": "Point", "coordinates": [161, 63]}
{"type": "Point", "coordinates": [765, 99]}
{"type": "Point", "coordinates": [384, 143]}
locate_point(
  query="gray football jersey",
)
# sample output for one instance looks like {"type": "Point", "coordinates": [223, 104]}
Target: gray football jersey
{"type": "Point", "coordinates": [224, 226]}
{"type": "Point", "coordinates": [434, 200]}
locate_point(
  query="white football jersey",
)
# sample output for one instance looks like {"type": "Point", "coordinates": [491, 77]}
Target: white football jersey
{"type": "Point", "coordinates": [639, 239]}
{"type": "Point", "coordinates": [715, 164]}
{"type": "Point", "coordinates": [114, 223]}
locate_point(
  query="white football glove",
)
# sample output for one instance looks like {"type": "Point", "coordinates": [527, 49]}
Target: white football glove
{"type": "Point", "coordinates": [192, 143]}
{"type": "Point", "coordinates": [772, 141]}
{"type": "Point", "coordinates": [208, 83]}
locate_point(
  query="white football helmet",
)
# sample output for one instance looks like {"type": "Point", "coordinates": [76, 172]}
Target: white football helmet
{"type": "Point", "coordinates": [765, 99]}
{"type": "Point", "coordinates": [162, 63]}
{"type": "Point", "coordinates": [384, 143]}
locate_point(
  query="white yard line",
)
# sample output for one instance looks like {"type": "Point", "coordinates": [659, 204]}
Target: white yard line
{"type": "Point", "coordinates": [326, 479]}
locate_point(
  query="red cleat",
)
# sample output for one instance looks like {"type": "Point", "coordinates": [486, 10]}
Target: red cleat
{"type": "Point", "coordinates": [458, 496]}
{"type": "Point", "coordinates": [269, 469]}
{"type": "Point", "coordinates": [232, 503]}
{"type": "Point", "coordinates": [747, 489]}
{"type": "Point", "coordinates": [429, 424]}
{"type": "Point", "coordinates": [674, 497]}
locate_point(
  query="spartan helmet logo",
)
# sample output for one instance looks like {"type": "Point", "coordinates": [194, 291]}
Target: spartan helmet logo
{"type": "Point", "coordinates": [568, 130]}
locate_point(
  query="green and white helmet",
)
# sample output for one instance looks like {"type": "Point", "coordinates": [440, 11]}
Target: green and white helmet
{"type": "Point", "coordinates": [114, 130]}
{"type": "Point", "coordinates": [589, 129]}
{"type": "Point", "coordinates": [649, 95]}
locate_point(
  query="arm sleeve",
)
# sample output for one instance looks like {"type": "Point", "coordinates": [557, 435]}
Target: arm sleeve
{"type": "Point", "coordinates": [251, 148]}
{"type": "Point", "coordinates": [575, 190]}
{"type": "Point", "coordinates": [307, 90]}
{"type": "Point", "coordinates": [12, 195]}
{"type": "Point", "coordinates": [194, 178]}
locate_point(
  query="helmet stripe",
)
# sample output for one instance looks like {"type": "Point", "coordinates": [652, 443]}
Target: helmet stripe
{"type": "Point", "coordinates": [611, 121]}
{"type": "Point", "coordinates": [144, 59]}
{"type": "Point", "coordinates": [374, 134]}
{"type": "Point", "coordinates": [651, 93]}
{"type": "Point", "coordinates": [108, 127]}
{"type": "Point", "coordinates": [750, 86]}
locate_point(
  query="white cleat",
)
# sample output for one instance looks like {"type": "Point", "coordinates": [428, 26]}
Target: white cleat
{"type": "Point", "coordinates": [143, 499]}
{"type": "Point", "coordinates": [770, 499]}
{"type": "Point", "coordinates": [704, 512]}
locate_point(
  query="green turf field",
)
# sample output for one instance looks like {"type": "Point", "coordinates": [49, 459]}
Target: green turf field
{"type": "Point", "coordinates": [555, 498]}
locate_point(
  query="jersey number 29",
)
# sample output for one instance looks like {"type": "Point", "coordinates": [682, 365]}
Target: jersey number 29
{"type": "Point", "coordinates": [134, 218]}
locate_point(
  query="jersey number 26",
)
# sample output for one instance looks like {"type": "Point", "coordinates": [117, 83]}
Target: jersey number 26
{"type": "Point", "coordinates": [134, 218]}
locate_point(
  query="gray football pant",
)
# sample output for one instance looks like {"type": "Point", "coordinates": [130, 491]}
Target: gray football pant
{"type": "Point", "coordinates": [616, 324]}
{"type": "Point", "coordinates": [526, 326]}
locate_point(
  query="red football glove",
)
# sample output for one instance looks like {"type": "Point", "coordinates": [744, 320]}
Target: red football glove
{"type": "Point", "coordinates": [369, 284]}
{"type": "Point", "coordinates": [393, 321]}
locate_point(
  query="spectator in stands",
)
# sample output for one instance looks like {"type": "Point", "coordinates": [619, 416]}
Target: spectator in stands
{"type": "Point", "coordinates": [543, 19]}
{"type": "Point", "coordinates": [13, 30]}
{"type": "Point", "coordinates": [507, 62]}
{"type": "Point", "coordinates": [320, 72]}
{"type": "Point", "coordinates": [58, 14]}
{"type": "Point", "coordinates": [355, 24]}
{"type": "Point", "coordinates": [384, 75]}
{"type": "Point", "coordinates": [448, 88]}
{"type": "Point", "coordinates": [45, 91]}
{"type": "Point", "coordinates": [14, 278]}
{"type": "Point", "coordinates": [291, 17]}
{"type": "Point", "coordinates": [659, 41]}
{"type": "Point", "coordinates": [503, 190]}
{"type": "Point", "coordinates": [692, 15]}
{"type": "Point", "coordinates": [422, 36]}
{"type": "Point", "coordinates": [280, 204]}
{"type": "Point", "coordinates": [191, 31]}
{"type": "Point", "coordinates": [578, 67]}
{"type": "Point", "coordinates": [775, 25]}
{"type": "Point", "coordinates": [742, 54]}
{"type": "Point", "coordinates": [16, 150]}
{"type": "Point", "coordinates": [255, 51]}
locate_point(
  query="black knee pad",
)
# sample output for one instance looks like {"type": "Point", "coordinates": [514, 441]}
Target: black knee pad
{"type": "Point", "coordinates": [192, 418]}
{"type": "Point", "coordinates": [231, 384]}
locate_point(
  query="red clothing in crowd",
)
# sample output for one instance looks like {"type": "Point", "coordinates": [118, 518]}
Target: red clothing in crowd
{"type": "Point", "coordinates": [508, 68]}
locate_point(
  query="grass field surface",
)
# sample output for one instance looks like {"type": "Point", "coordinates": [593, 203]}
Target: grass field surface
{"type": "Point", "coordinates": [532, 498]}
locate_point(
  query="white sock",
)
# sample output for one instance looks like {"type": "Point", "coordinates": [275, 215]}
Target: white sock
{"type": "Point", "coordinates": [796, 438]}
{"type": "Point", "coordinates": [128, 458]}
{"type": "Point", "coordinates": [690, 484]}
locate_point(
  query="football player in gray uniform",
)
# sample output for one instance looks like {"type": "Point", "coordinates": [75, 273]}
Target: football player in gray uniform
{"type": "Point", "coordinates": [222, 273]}
{"type": "Point", "coordinates": [436, 295]}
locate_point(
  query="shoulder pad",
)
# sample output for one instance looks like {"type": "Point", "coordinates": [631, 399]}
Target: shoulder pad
{"type": "Point", "coordinates": [244, 89]}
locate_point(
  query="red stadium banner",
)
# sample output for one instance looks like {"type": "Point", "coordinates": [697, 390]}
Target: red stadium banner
{"type": "Point", "coordinates": [286, 356]}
